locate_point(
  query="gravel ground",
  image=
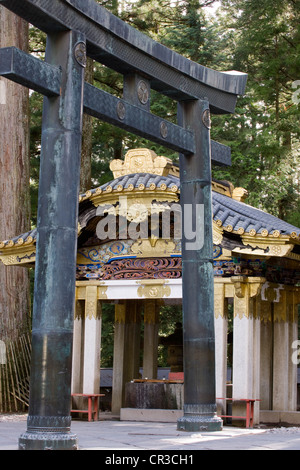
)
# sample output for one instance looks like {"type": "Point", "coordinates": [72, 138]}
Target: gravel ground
{"type": "Point", "coordinates": [289, 430]}
{"type": "Point", "coordinates": [13, 417]}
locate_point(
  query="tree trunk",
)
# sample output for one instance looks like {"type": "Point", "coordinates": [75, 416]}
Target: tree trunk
{"type": "Point", "coordinates": [14, 182]}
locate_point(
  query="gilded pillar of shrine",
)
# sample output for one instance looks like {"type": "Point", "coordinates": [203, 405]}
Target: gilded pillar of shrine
{"type": "Point", "coordinates": [92, 343]}
{"type": "Point", "coordinates": [285, 333]}
{"type": "Point", "coordinates": [279, 331]}
{"type": "Point", "coordinates": [78, 340]}
{"type": "Point", "coordinates": [246, 341]}
{"type": "Point", "coordinates": [87, 342]}
{"type": "Point", "coordinates": [221, 327]}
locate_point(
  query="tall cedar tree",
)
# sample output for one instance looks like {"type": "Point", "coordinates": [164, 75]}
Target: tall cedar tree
{"type": "Point", "coordinates": [14, 182]}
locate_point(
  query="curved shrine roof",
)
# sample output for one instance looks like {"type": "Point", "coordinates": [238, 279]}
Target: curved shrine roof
{"type": "Point", "coordinates": [229, 214]}
{"type": "Point", "coordinates": [143, 174]}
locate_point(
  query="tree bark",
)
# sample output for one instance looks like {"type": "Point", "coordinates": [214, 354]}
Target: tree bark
{"type": "Point", "coordinates": [14, 182]}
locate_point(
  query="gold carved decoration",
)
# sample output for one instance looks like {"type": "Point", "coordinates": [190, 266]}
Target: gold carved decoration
{"type": "Point", "coordinates": [265, 245]}
{"type": "Point", "coordinates": [151, 198]}
{"type": "Point", "coordinates": [265, 311]}
{"type": "Point", "coordinates": [102, 292]}
{"type": "Point", "coordinates": [241, 307]}
{"type": "Point", "coordinates": [271, 293]}
{"type": "Point", "coordinates": [78, 314]}
{"type": "Point", "coordinates": [90, 309]}
{"type": "Point", "coordinates": [219, 300]}
{"type": "Point", "coordinates": [246, 290]}
{"type": "Point", "coordinates": [255, 288]}
{"type": "Point", "coordinates": [153, 247]}
{"type": "Point", "coordinates": [150, 312]}
{"type": "Point", "coordinates": [18, 257]}
{"type": "Point", "coordinates": [19, 252]}
{"type": "Point", "coordinates": [137, 212]}
{"type": "Point", "coordinates": [91, 292]}
{"type": "Point", "coordinates": [91, 303]}
{"type": "Point", "coordinates": [120, 313]}
{"type": "Point", "coordinates": [127, 311]}
{"type": "Point", "coordinates": [141, 161]}
{"type": "Point", "coordinates": [253, 299]}
{"type": "Point", "coordinates": [153, 289]}
{"type": "Point", "coordinates": [217, 234]}
{"type": "Point", "coordinates": [240, 194]}
{"type": "Point", "coordinates": [281, 309]}
{"type": "Point", "coordinates": [285, 300]}
{"type": "Point", "coordinates": [220, 188]}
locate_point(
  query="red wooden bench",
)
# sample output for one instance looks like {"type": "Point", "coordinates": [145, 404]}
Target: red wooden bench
{"type": "Point", "coordinates": [93, 399]}
{"type": "Point", "coordinates": [179, 376]}
{"type": "Point", "coordinates": [249, 410]}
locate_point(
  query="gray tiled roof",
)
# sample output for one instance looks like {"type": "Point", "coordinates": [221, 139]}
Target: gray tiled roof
{"type": "Point", "coordinates": [24, 236]}
{"type": "Point", "coordinates": [241, 215]}
{"type": "Point", "coordinates": [141, 178]}
{"type": "Point", "coordinates": [229, 211]}
{"type": "Point", "coordinates": [225, 209]}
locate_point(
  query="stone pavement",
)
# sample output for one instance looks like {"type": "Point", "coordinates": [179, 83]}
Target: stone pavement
{"type": "Point", "coordinates": [157, 438]}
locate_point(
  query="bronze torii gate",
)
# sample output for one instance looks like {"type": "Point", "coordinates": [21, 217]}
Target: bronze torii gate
{"type": "Point", "coordinates": [76, 29]}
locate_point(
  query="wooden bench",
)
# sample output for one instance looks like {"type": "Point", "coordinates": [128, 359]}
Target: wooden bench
{"type": "Point", "coordinates": [249, 410]}
{"type": "Point", "coordinates": [93, 399]}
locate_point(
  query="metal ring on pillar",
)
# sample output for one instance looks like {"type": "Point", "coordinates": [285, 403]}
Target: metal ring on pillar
{"type": "Point", "coordinates": [206, 118]}
{"type": "Point", "coordinates": [163, 129]}
{"type": "Point", "coordinates": [143, 92]}
{"type": "Point", "coordinates": [121, 111]}
{"type": "Point", "coordinates": [80, 53]}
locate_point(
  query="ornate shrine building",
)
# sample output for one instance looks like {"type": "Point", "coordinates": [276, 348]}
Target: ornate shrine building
{"type": "Point", "coordinates": [129, 254]}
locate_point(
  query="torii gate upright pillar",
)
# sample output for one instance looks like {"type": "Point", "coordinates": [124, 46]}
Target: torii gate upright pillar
{"type": "Point", "coordinates": [197, 275]}
{"type": "Point", "coordinates": [49, 420]}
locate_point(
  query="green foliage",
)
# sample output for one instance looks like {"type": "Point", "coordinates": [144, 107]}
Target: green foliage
{"type": "Point", "coordinates": [37, 46]}
{"type": "Point", "coordinates": [107, 338]}
{"type": "Point", "coordinates": [181, 26]}
{"type": "Point", "coordinates": [168, 317]}
{"type": "Point", "coordinates": [36, 101]}
{"type": "Point", "coordinates": [264, 133]}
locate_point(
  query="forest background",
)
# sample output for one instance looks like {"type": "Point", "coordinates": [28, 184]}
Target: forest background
{"type": "Point", "coordinates": [258, 37]}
